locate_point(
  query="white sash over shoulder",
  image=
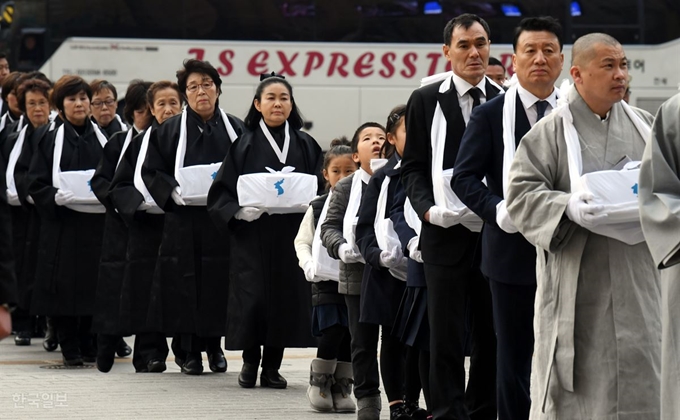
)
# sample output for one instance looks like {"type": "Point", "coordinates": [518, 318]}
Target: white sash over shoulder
{"type": "Point", "coordinates": [385, 234]}
{"type": "Point", "coordinates": [12, 195]}
{"type": "Point", "coordinates": [325, 267]}
{"type": "Point", "coordinates": [149, 204]}
{"type": "Point", "coordinates": [77, 182]}
{"type": "Point", "coordinates": [615, 190]}
{"type": "Point", "coordinates": [349, 222]}
{"type": "Point", "coordinates": [195, 180]}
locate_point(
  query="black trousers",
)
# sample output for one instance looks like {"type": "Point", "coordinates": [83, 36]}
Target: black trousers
{"type": "Point", "coordinates": [450, 290]}
{"type": "Point", "coordinates": [149, 346]}
{"type": "Point", "coordinates": [271, 357]}
{"type": "Point", "coordinates": [74, 335]}
{"type": "Point", "coordinates": [335, 344]}
{"type": "Point", "coordinates": [513, 310]}
{"type": "Point", "coordinates": [192, 343]}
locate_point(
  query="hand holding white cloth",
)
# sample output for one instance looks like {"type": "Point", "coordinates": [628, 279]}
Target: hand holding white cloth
{"type": "Point", "coordinates": [503, 219]}
{"type": "Point", "coordinates": [64, 197]}
{"type": "Point", "coordinates": [177, 197]}
{"type": "Point", "coordinates": [348, 254]}
{"type": "Point", "coordinates": [413, 251]}
{"type": "Point", "coordinates": [249, 214]}
{"type": "Point", "coordinates": [309, 272]}
{"type": "Point", "coordinates": [391, 258]}
{"type": "Point", "coordinates": [584, 214]}
{"type": "Point", "coordinates": [442, 216]}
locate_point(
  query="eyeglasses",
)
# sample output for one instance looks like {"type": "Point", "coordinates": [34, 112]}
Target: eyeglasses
{"type": "Point", "coordinates": [41, 104]}
{"type": "Point", "coordinates": [109, 103]}
{"type": "Point", "coordinates": [206, 86]}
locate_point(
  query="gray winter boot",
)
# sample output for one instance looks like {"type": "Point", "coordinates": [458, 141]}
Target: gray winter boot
{"type": "Point", "coordinates": [320, 382]}
{"type": "Point", "coordinates": [342, 389]}
{"type": "Point", "coordinates": [369, 408]}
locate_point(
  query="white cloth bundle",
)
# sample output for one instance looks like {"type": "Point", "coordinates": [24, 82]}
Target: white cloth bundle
{"type": "Point", "coordinates": [195, 181]}
{"type": "Point", "coordinates": [325, 267]}
{"type": "Point", "coordinates": [77, 182]}
{"type": "Point", "coordinates": [149, 204]}
{"type": "Point", "coordinates": [281, 192]}
{"type": "Point", "coordinates": [615, 190]}
{"type": "Point", "coordinates": [385, 234]}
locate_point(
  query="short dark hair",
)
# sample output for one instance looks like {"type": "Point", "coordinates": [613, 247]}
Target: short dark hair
{"type": "Point", "coordinates": [32, 85]}
{"type": "Point", "coordinates": [3, 54]}
{"type": "Point", "coordinates": [10, 84]}
{"type": "Point", "coordinates": [253, 117]}
{"type": "Point", "coordinates": [135, 98]}
{"type": "Point", "coordinates": [191, 66]}
{"type": "Point", "coordinates": [68, 85]}
{"type": "Point", "coordinates": [158, 86]}
{"type": "Point", "coordinates": [99, 85]}
{"type": "Point", "coordinates": [355, 138]}
{"type": "Point", "coordinates": [465, 20]}
{"type": "Point", "coordinates": [493, 61]}
{"type": "Point", "coordinates": [538, 24]}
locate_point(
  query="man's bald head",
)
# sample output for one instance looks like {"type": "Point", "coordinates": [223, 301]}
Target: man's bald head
{"type": "Point", "coordinates": [583, 50]}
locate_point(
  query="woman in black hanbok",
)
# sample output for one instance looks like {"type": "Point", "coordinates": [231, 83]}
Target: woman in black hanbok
{"type": "Point", "coordinates": [72, 221]}
{"type": "Point", "coordinates": [191, 285]}
{"type": "Point", "coordinates": [103, 108]}
{"type": "Point", "coordinates": [144, 221]}
{"type": "Point", "coordinates": [114, 250]}
{"type": "Point", "coordinates": [269, 300]}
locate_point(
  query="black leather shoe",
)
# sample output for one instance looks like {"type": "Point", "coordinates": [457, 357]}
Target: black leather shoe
{"type": "Point", "coordinates": [73, 362]}
{"type": "Point", "coordinates": [50, 343]}
{"type": "Point", "coordinates": [248, 376]}
{"type": "Point", "coordinates": [156, 366]}
{"type": "Point", "coordinates": [23, 339]}
{"type": "Point", "coordinates": [217, 362]}
{"type": "Point", "coordinates": [193, 365]}
{"type": "Point", "coordinates": [89, 359]}
{"type": "Point", "coordinates": [123, 350]}
{"type": "Point", "coordinates": [104, 364]}
{"type": "Point", "coordinates": [271, 378]}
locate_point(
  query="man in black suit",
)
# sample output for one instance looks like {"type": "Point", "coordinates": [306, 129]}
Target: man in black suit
{"type": "Point", "coordinates": [455, 284]}
{"type": "Point", "coordinates": [509, 260]}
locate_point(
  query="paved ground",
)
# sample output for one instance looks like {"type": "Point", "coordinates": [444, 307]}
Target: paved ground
{"type": "Point", "coordinates": [32, 388]}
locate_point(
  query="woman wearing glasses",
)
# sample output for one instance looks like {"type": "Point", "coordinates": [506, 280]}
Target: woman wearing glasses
{"type": "Point", "coordinates": [72, 220]}
{"type": "Point", "coordinates": [103, 105]}
{"type": "Point", "coordinates": [269, 298]}
{"type": "Point", "coordinates": [112, 266]}
{"type": "Point", "coordinates": [191, 285]}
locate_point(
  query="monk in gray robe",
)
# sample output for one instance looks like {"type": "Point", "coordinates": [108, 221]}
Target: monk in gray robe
{"type": "Point", "coordinates": [660, 216]}
{"type": "Point", "coordinates": [597, 322]}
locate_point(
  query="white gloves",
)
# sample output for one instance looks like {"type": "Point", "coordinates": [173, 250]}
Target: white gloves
{"type": "Point", "coordinates": [413, 251]}
{"type": "Point", "coordinates": [64, 197]}
{"type": "Point", "coordinates": [503, 219]}
{"type": "Point", "coordinates": [177, 197]}
{"type": "Point", "coordinates": [584, 214]}
{"type": "Point", "coordinates": [309, 271]}
{"type": "Point", "coordinates": [443, 217]}
{"type": "Point", "coordinates": [391, 258]}
{"type": "Point", "coordinates": [143, 206]}
{"type": "Point", "coordinates": [349, 255]}
{"type": "Point", "coordinates": [248, 214]}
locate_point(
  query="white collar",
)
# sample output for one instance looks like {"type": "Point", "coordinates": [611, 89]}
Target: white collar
{"type": "Point", "coordinates": [365, 176]}
{"type": "Point", "coordinates": [462, 86]}
{"type": "Point", "coordinates": [528, 98]}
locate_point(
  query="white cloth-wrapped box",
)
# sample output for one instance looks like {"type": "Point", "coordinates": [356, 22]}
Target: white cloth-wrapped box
{"type": "Point", "coordinates": [277, 192]}
{"type": "Point", "coordinates": [615, 190]}
{"type": "Point", "coordinates": [195, 182]}
{"type": "Point", "coordinates": [78, 182]}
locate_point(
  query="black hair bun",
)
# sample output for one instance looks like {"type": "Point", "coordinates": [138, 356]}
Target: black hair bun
{"type": "Point", "coordinates": [340, 141]}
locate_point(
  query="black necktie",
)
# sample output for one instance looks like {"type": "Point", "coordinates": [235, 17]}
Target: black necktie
{"type": "Point", "coordinates": [475, 93]}
{"type": "Point", "coordinates": [541, 106]}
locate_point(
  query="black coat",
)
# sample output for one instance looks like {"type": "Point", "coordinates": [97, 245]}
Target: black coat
{"type": "Point", "coordinates": [380, 292]}
{"type": "Point", "coordinates": [324, 292]}
{"type": "Point", "coordinates": [508, 258]}
{"type": "Point", "coordinates": [190, 284]}
{"type": "Point", "coordinates": [269, 300]}
{"type": "Point", "coordinates": [439, 246]}
{"type": "Point", "coordinates": [70, 242]}
{"type": "Point", "coordinates": [114, 245]}
{"type": "Point", "coordinates": [144, 238]}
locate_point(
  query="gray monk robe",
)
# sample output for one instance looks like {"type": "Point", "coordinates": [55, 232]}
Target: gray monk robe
{"type": "Point", "coordinates": [660, 215]}
{"type": "Point", "coordinates": [597, 318]}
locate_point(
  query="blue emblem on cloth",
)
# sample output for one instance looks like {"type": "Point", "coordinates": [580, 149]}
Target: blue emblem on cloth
{"type": "Point", "coordinates": [214, 175]}
{"type": "Point", "coordinates": [279, 188]}
{"type": "Point", "coordinates": [89, 184]}
{"type": "Point", "coordinates": [635, 189]}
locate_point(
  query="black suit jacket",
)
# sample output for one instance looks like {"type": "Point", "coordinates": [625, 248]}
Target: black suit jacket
{"type": "Point", "coordinates": [438, 245]}
{"type": "Point", "coordinates": [508, 258]}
